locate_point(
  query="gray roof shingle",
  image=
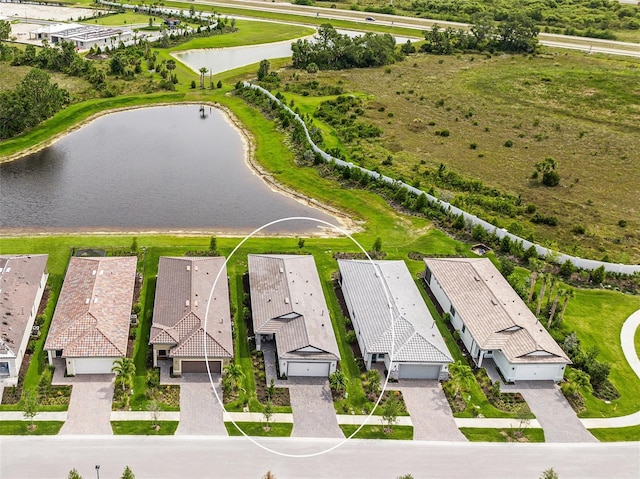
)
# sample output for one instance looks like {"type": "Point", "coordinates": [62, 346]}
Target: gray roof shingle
{"type": "Point", "coordinates": [385, 291]}
{"type": "Point", "coordinates": [287, 299]}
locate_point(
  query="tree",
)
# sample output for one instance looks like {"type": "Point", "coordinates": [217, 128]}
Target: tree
{"type": "Point", "coordinates": [263, 69]}
{"type": "Point", "coordinates": [536, 266]}
{"type": "Point", "coordinates": [391, 408]}
{"type": "Point", "coordinates": [125, 369]}
{"type": "Point", "coordinates": [377, 245]}
{"type": "Point", "coordinates": [569, 293]}
{"type": "Point", "coordinates": [338, 382]}
{"type": "Point", "coordinates": [300, 243]}
{"type": "Point", "coordinates": [598, 275]}
{"type": "Point", "coordinates": [213, 244]}
{"type": "Point", "coordinates": [219, 84]}
{"type": "Point", "coordinates": [134, 245]}
{"type": "Point", "coordinates": [267, 413]}
{"type": "Point", "coordinates": [549, 474]}
{"type": "Point", "coordinates": [234, 375]}
{"type": "Point", "coordinates": [127, 474]}
{"type": "Point", "coordinates": [154, 408]}
{"type": "Point", "coordinates": [203, 71]}
{"type": "Point", "coordinates": [73, 474]}
{"type": "Point", "coordinates": [30, 406]}
{"type": "Point", "coordinates": [461, 377]}
{"type": "Point", "coordinates": [543, 288]}
{"type": "Point", "coordinates": [554, 306]}
{"type": "Point", "coordinates": [5, 30]}
{"type": "Point", "coordinates": [269, 475]}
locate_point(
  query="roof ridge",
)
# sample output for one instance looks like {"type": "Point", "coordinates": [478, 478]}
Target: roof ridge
{"type": "Point", "coordinates": [108, 340]}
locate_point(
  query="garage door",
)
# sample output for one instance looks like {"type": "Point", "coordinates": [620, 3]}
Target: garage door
{"type": "Point", "coordinates": [92, 365]}
{"type": "Point", "coordinates": [529, 372]}
{"type": "Point", "coordinates": [201, 367]}
{"type": "Point", "coordinates": [418, 371]}
{"type": "Point", "coordinates": [295, 368]}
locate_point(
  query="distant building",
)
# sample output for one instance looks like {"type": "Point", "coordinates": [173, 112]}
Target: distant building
{"type": "Point", "coordinates": [90, 326]}
{"type": "Point", "coordinates": [22, 283]}
{"type": "Point", "coordinates": [178, 331]}
{"type": "Point", "coordinates": [83, 36]}
{"type": "Point", "coordinates": [172, 22]}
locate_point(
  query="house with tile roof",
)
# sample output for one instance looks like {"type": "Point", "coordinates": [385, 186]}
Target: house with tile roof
{"type": "Point", "coordinates": [392, 323]}
{"type": "Point", "coordinates": [494, 323]}
{"type": "Point", "coordinates": [288, 306]}
{"type": "Point", "coordinates": [192, 319]}
{"type": "Point", "coordinates": [22, 282]}
{"type": "Point", "coordinates": [90, 325]}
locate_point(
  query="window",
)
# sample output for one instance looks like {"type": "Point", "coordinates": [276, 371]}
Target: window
{"type": "Point", "coordinates": [464, 328]}
{"type": "Point", "coordinates": [452, 311]}
{"type": "Point", "coordinates": [427, 275]}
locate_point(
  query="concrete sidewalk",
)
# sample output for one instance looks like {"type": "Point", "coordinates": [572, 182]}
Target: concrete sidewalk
{"type": "Point", "coordinates": [41, 416]}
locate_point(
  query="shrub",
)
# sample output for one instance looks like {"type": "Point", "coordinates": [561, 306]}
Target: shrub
{"type": "Point", "coordinates": [622, 223]}
{"type": "Point", "coordinates": [508, 143]}
{"type": "Point", "coordinates": [193, 84]}
{"type": "Point", "coordinates": [312, 68]}
{"type": "Point", "coordinates": [550, 178]}
{"type": "Point", "coordinates": [545, 220]}
{"type": "Point", "coordinates": [351, 337]}
{"type": "Point", "coordinates": [598, 275]}
{"type": "Point", "coordinates": [578, 229]}
{"type": "Point", "coordinates": [567, 269]}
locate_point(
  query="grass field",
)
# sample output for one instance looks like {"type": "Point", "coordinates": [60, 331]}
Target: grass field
{"type": "Point", "coordinates": [581, 110]}
{"type": "Point", "coordinates": [278, 429]}
{"type": "Point", "coordinates": [617, 434]}
{"type": "Point", "coordinates": [500, 435]}
{"type": "Point", "coordinates": [143, 428]}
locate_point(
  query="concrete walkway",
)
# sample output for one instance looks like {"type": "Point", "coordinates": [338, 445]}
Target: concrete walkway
{"type": "Point", "coordinates": [627, 335]}
{"type": "Point", "coordinates": [41, 416]}
{"type": "Point", "coordinates": [200, 412]}
{"type": "Point", "coordinates": [430, 411]}
{"type": "Point", "coordinates": [313, 411]}
{"type": "Point", "coordinates": [90, 405]}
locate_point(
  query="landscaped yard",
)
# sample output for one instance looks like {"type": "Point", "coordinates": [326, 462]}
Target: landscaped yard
{"type": "Point", "coordinates": [377, 432]}
{"type": "Point", "coordinates": [144, 428]}
{"type": "Point", "coordinates": [502, 435]}
{"type": "Point", "coordinates": [278, 429]}
{"type": "Point", "coordinates": [21, 428]}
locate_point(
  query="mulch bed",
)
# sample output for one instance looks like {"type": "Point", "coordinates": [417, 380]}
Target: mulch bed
{"type": "Point", "coordinates": [280, 395]}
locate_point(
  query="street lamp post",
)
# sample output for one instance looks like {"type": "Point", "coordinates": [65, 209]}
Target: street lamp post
{"type": "Point", "coordinates": [98, 471]}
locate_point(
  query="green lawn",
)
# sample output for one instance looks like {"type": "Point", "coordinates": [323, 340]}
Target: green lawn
{"type": "Point", "coordinates": [377, 432]}
{"type": "Point", "coordinates": [279, 429]}
{"type": "Point", "coordinates": [122, 19]}
{"type": "Point", "coordinates": [143, 428]}
{"type": "Point", "coordinates": [20, 428]}
{"type": "Point", "coordinates": [500, 435]}
{"type": "Point", "coordinates": [616, 434]}
{"type": "Point", "coordinates": [597, 317]}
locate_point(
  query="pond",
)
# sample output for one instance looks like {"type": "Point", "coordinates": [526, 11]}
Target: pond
{"type": "Point", "coordinates": [176, 168]}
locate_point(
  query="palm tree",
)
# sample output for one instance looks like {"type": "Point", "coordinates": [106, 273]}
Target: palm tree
{"type": "Point", "coordinates": [569, 293]}
{"type": "Point", "coordinates": [125, 369]}
{"type": "Point", "coordinates": [461, 377]}
{"type": "Point", "coordinates": [202, 71]}
{"type": "Point", "coordinates": [536, 267]}
{"type": "Point", "coordinates": [338, 381]}
{"type": "Point", "coordinates": [545, 279]}
{"type": "Point", "coordinates": [234, 372]}
{"type": "Point", "coordinates": [552, 313]}
{"type": "Point", "coordinates": [552, 284]}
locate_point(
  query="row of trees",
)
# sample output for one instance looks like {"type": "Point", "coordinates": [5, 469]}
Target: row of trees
{"type": "Point", "coordinates": [331, 50]}
{"type": "Point", "coordinates": [516, 33]}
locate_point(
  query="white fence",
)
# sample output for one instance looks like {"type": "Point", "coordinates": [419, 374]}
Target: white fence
{"type": "Point", "coordinates": [582, 263]}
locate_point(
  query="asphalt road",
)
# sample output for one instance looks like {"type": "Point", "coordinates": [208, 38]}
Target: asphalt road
{"type": "Point", "coordinates": [209, 457]}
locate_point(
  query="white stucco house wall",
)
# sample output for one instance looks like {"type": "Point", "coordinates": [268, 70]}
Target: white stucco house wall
{"type": "Point", "coordinates": [390, 317]}
{"type": "Point", "coordinates": [90, 326]}
{"type": "Point", "coordinates": [492, 320]}
{"type": "Point", "coordinates": [288, 306]}
{"type": "Point", "coordinates": [22, 282]}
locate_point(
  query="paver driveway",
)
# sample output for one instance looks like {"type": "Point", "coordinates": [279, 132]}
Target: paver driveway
{"type": "Point", "coordinates": [313, 412]}
{"type": "Point", "coordinates": [431, 415]}
{"type": "Point", "coordinates": [90, 405]}
{"type": "Point", "coordinates": [200, 412]}
{"type": "Point", "coordinates": [553, 412]}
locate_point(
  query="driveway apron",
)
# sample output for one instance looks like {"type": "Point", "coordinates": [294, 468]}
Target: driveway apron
{"type": "Point", "coordinates": [553, 412]}
{"type": "Point", "coordinates": [429, 409]}
{"type": "Point", "coordinates": [90, 405]}
{"type": "Point", "coordinates": [200, 412]}
{"type": "Point", "coordinates": [313, 412]}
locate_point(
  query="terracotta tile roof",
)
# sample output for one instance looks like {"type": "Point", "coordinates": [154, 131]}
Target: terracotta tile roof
{"type": "Point", "coordinates": [21, 277]}
{"type": "Point", "coordinates": [287, 299]}
{"type": "Point", "coordinates": [182, 294]}
{"type": "Point", "coordinates": [417, 338]}
{"type": "Point", "coordinates": [493, 312]}
{"type": "Point", "coordinates": [94, 308]}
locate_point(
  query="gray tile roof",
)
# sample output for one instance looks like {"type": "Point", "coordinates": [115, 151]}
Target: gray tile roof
{"type": "Point", "coordinates": [493, 311]}
{"type": "Point", "coordinates": [287, 299]}
{"type": "Point", "coordinates": [20, 280]}
{"type": "Point", "coordinates": [94, 308]}
{"type": "Point", "coordinates": [182, 294]}
{"type": "Point", "coordinates": [417, 338]}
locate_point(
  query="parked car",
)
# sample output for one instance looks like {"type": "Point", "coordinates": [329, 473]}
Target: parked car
{"type": "Point", "coordinates": [370, 19]}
